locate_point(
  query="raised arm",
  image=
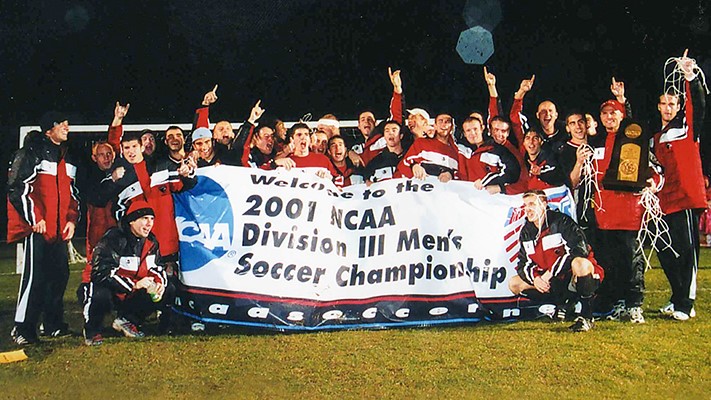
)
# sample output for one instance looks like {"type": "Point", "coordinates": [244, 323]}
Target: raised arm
{"type": "Point", "coordinates": [695, 106]}
{"type": "Point", "coordinates": [396, 99]}
{"type": "Point", "coordinates": [517, 108]}
{"type": "Point", "coordinates": [618, 90]}
{"type": "Point", "coordinates": [202, 114]}
{"type": "Point", "coordinates": [116, 127]}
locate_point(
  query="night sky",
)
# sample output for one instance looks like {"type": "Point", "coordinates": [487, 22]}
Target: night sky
{"type": "Point", "coordinates": [310, 56]}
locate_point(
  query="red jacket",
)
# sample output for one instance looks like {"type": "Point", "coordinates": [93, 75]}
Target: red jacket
{"type": "Point", "coordinates": [40, 187]}
{"type": "Point", "coordinates": [154, 184]}
{"type": "Point", "coordinates": [677, 149]}
{"type": "Point", "coordinates": [615, 210]}
{"type": "Point", "coordinates": [436, 157]}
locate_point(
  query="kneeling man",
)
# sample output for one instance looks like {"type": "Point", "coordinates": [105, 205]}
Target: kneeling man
{"type": "Point", "coordinates": [555, 259]}
{"type": "Point", "coordinates": [128, 276]}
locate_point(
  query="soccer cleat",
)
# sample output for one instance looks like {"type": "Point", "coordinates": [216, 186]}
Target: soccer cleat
{"type": "Point", "coordinates": [680, 316]}
{"type": "Point", "coordinates": [95, 340]}
{"type": "Point", "coordinates": [618, 312]}
{"type": "Point", "coordinates": [581, 324]}
{"type": "Point", "coordinates": [22, 340]}
{"type": "Point", "coordinates": [635, 315]}
{"type": "Point", "coordinates": [62, 332]}
{"type": "Point", "coordinates": [668, 309]}
{"type": "Point", "coordinates": [127, 328]}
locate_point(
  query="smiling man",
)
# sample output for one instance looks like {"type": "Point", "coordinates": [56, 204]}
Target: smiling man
{"type": "Point", "coordinates": [127, 276]}
{"type": "Point", "coordinates": [555, 258]}
{"type": "Point", "coordinates": [43, 210]}
{"type": "Point", "coordinates": [133, 179]}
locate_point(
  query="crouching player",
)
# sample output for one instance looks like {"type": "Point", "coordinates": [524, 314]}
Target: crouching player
{"type": "Point", "coordinates": [555, 259]}
{"type": "Point", "coordinates": [127, 275]}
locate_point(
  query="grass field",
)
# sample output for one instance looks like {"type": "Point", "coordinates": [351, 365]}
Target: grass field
{"type": "Point", "coordinates": [661, 359]}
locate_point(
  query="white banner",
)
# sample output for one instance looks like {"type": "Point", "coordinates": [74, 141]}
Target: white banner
{"type": "Point", "coordinates": [287, 250]}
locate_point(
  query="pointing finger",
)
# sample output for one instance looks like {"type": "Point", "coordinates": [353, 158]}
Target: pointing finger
{"type": "Point", "coordinates": [258, 102]}
{"type": "Point", "coordinates": [214, 90]}
{"type": "Point", "coordinates": [686, 51]}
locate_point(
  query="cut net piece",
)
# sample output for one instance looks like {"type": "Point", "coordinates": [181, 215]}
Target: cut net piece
{"type": "Point", "coordinates": [588, 181]}
{"type": "Point", "coordinates": [653, 228]}
{"type": "Point", "coordinates": [674, 77]}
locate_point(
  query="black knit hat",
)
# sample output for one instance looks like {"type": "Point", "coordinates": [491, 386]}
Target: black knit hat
{"type": "Point", "coordinates": [52, 118]}
{"type": "Point", "coordinates": [136, 210]}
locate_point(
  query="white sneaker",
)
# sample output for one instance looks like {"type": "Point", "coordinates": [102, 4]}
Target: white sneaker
{"type": "Point", "coordinates": [680, 316]}
{"type": "Point", "coordinates": [635, 315]}
{"type": "Point", "coordinates": [668, 310]}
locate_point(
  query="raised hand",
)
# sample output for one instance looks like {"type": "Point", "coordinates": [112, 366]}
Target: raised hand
{"type": "Point", "coordinates": [687, 65]}
{"type": "Point", "coordinates": [121, 111]}
{"type": "Point", "coordinates": [489, 78]}
{"type": "Point", "coordinates": [524, 87]}
{"type": "Point", "coordinates": [618, 90]}
{"type": "Point", "coordinates": [210, 97]}
{"type": "Point", "coordinates": [395, 80]}
{"type": "Point", "coordinates": [256, 113]}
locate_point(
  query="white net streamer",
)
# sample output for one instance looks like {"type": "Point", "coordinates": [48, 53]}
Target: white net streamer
{"type": "Point", "coordinates": [653, 229]}
{"type": "Point", "coordinates": [74, 255]}
{"type": "Point", "coordinates": [674, 76]}
{"type": "Point", "coordinates": [588, 181]}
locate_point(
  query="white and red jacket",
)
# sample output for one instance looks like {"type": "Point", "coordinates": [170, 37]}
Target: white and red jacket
{"type": "Point", "coordinates": [40, 187]}
{"type": "Point", "coordinates": [490, 162]}
{"type": "Point", "coordinates": [154, 184]}
{"type": "Point", "coordinates": [433, 155]}
{"type": "Point", "coordinates": [121, 259]}
{"type": "Point", "coordinates": [676, 147]}
{"type": "Point", "coordinates": [552, 248]}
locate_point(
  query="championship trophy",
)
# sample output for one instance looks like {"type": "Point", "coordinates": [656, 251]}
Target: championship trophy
{"type": "Point", "coordinates": [629, 164]}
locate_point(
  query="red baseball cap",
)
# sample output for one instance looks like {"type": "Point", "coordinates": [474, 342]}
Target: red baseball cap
{"type": "Point", "coordinates": [614, 104]}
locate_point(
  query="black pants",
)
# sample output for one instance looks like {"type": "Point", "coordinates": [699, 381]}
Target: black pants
{"type": "Point", "coordinates": [620, 255]}
{"type": "Point", "coordinates": [681, 271]}
{"type": "Point", "coordinates": [44, 279]}
{"type": "Point", "coordinates": [101, 300]}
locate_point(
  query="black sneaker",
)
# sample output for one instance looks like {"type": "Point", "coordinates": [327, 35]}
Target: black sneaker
{"type": "Point", "coordinates": [581, 324]}
{"type": "Point", "coordinates": [62, 331]}
{"type": "Point", "coordinates": [22, 339]}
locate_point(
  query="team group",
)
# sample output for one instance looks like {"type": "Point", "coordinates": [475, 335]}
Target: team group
{"type": "Point", "coordinates": [132, 239]}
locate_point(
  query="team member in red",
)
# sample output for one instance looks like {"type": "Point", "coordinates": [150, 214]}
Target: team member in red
{"type": "Point", "coordinates": [554, 256]}
{"type": "Point", "coordinates": [300, 138]}
{"type": "Point", "coordinates": [369, 143]}
{"type": "Point", "coordinates": [99, 214]}
{"type": "Point", "coordinates": [42, 209]}
{"type": "Point", "coordinates": [619, 217]}
{"type": "Point", "coordinates": [486, 163]}
{"type": "Point", "coordinates": [346, 173]}
{"type": "Point", "coordinates": [131, 178]}
{"type": "Point", "coordinates": [542, 165]}
{"type": "Point", "coordinates": [682, 198]}
{"type": "Point", "coordinates": [435, 156]}
{"type": "Point", "coordinates": [384, 165]}
{"type": "Point", "coordinates": [128, 276]}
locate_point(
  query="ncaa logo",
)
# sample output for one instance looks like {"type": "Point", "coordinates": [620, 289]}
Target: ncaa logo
{"type": "Point", "coordinates": [205, 223]}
